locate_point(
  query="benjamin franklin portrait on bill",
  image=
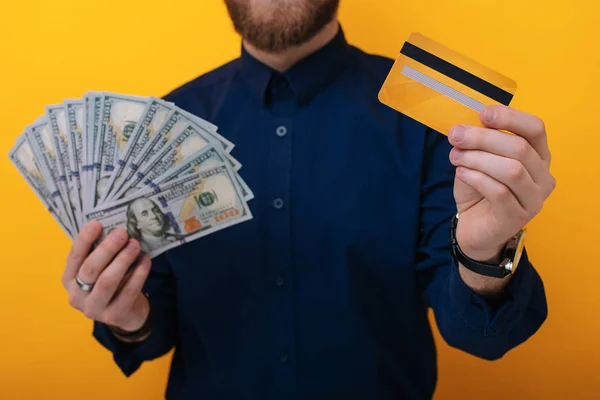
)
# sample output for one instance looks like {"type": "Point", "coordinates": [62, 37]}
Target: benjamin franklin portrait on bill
{"type": "Point", "coordinates": [147, 224]}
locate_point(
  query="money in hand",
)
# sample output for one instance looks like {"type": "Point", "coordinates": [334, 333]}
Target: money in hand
{"type": "Point", "coordinates": [178, 211]}
{"type": "Point", "coordinates": [139, 163]}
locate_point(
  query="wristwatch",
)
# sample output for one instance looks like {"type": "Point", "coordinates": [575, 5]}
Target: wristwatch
{"type": "Point", "coordinates": [511, 255]}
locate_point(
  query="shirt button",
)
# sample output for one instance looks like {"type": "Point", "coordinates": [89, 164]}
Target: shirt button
{"type": "Point", "coordinates": [281, 131]}
{"type": "Point", "coordinates": [283, 357]}
{"type": "Point", "coordinates": [278, 203]}
{"type": "Point", "coordinates": [280, 281]}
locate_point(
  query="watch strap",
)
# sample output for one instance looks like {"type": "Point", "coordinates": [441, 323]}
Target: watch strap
{"type": "Point", "coordinates": [133, 337]}
{"type": "Point", "coordinates": [482, 268]}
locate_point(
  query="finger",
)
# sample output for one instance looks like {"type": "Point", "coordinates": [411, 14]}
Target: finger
{"type": "Point", "coordinates": [528, 126]}
{"type": "Point", "coordinates": [109, 280]}
{"type": "Point", "coordinates": [76, 296]}
{"type": "Point", "coordinates": [99, 259]}
{"type": "Point", "coordinates": [502, 144]}
{"type": "Point", "coordinates": [128, 294]}
{"type": "Point", "coordinates": [80, 250]}
{"type": "Point", "coordinates": [501, 197]}
{"type": "Point", "coordinates": [510, 173]}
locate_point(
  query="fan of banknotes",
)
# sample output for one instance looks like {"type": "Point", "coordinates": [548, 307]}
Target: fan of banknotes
{"type": "Point", "coordinates": [139, 163]}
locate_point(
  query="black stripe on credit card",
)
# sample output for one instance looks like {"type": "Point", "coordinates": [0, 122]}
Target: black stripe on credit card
{"type": "Point", "coordinates": [458, 74]}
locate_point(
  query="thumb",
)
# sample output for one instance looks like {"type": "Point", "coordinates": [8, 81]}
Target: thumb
{"type": "Point", "coordinates": [464, 195]}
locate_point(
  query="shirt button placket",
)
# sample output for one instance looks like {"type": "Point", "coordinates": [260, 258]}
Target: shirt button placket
{"type": "Point", "coordinates": [280, 170]}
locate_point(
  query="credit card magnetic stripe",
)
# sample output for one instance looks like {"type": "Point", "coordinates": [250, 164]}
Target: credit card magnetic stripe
{"type": "Point", "coordinates": [442, 88]}
{"type": "Point", "coordinates": [458, 74]}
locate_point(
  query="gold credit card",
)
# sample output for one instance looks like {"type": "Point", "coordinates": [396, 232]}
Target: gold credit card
{"type": "Point", "coordinates": [441, 88]}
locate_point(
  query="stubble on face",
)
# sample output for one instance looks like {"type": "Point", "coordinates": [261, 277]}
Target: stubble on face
{"type": "Point", "coordinates": [274, 26]}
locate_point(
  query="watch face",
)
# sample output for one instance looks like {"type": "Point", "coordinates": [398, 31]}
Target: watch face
{"type": "Point", "coordinates": [519, 249]}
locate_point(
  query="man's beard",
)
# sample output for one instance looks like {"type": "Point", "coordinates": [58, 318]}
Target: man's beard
{"type": "Point", "coordinates": [282, 23]}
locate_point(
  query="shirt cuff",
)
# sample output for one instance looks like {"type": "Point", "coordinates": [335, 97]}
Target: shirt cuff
{"type": "Point", "coordinates": [479, 314]}
{"type": "Point", "coordinates": [130, 356]}
{"type": "Point", "coordinates": [124, 354]}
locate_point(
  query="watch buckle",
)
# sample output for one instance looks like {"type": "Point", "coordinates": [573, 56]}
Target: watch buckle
{"type": "Point", "coordinates": [507, 265]}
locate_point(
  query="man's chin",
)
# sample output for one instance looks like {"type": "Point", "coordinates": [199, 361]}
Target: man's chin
{"type": "Point", "coordinates": [285, 29]}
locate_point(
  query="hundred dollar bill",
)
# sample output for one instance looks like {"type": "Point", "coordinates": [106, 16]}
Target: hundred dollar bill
{"type": "Point", "coordinates": [75, 125]}
{"type": "Point", "coordinates": [183, 210]}
{"type": "Point", "coordinates": [83, 159]}
{"type": "Point", "coordinates": [208, 157]}
{"type": "Point", "coordinates": [93, 102]}
{"type": "Point", "coordinates": [24, 159]}
{"type": "Point", "coordinates": [207, 126]}
{"type": "Point", "coordinates": [42, 144]}
{"type": "Point", "coordinates": [185, 144]}
{"type": "Point", "coordinates": [177, 121]}
{"type": "Point", "coordinates": [154, 116]}
{"type": "Point", "coordinates": [210, 128]}
{"type": "Point", "coordinates": [119, 116]}
{"type": "Point", "coordinates": [58, 124]}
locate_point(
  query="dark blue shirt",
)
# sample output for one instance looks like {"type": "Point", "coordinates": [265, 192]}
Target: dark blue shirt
{"type": "Point", "coordinates": [324, 293]}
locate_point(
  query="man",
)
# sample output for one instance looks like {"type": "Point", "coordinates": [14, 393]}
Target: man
{"type": "Point", "coordinates": [147, 224]}
{"type": "Point", "coordinates": [324, 293]}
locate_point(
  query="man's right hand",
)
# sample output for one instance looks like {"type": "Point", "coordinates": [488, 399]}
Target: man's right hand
{"type": "Point", "coordinates": [111, 301]}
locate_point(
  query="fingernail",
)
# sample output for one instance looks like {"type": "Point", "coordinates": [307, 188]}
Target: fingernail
{"type": "Point", "coordinates": [489, 114]}
{"type": "Point", "coordinates": [456, 154]}
{"type": "Point", "coordinates": [458, 133]}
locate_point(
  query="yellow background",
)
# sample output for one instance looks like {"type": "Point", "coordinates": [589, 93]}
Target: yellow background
{"type": "Point", "coordinates": [51, 50]}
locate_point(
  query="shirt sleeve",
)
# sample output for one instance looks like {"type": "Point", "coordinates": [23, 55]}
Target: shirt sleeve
{"type": "Point", "coordinates": [160, 290]}
{"type": "Point", "coordinates": [466, 320]}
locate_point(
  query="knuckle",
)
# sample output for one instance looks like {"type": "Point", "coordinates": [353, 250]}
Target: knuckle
{"type": "Point", "coordinates": [515, 171]}
{"type": "Point", "coordinates": [104, 284]}
{"type": "Point", "coordinates": [90, 312]}
{"type": "Point", "coordinates": [114, 241]}
{"type": "Point", "coordinates": [539, 206]}
{"type": "Point", "coordinates": [503, 193]}
{"type": "Point", "coordinates": [90, 270]}
{"type": "Point", "coordinates": [552, 184]}
{"type": "Point", "coordinates": [131, 251]}
{"type": "Point", "coordinates": [130, 292]}
{"type": "Point", "coordinates": [522, 149]}
{"type": "Point", "coordinates": [127, 256]}
{"type": "Point", "coordinates": [538, 126]}
{"type": "Point", "coordinates": [74, 300]}
{"type": "Point", "coordinates": [108, 246]}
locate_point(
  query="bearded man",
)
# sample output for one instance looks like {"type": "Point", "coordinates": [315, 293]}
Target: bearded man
{"type": "Point", "coordinates": [324, 294]}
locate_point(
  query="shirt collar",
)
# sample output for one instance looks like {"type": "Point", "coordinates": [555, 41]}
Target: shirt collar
{"type": "Point", "coordinates": [307, 77]}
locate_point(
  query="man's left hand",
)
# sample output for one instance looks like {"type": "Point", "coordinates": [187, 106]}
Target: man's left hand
{"type": "Point", "coordinates": [502, 179]}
